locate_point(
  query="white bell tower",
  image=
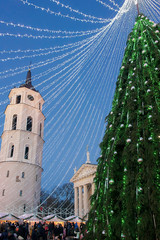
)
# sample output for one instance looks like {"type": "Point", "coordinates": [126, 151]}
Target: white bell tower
{"type": "Point", "coordinates": [21, 150]}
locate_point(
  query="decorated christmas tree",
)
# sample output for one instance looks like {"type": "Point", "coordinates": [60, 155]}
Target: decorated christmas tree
{"type": "Point", "coordinates": [126, 202]}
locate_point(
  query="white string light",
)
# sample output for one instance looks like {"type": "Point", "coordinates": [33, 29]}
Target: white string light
{"type": "Point", "coordinates": [106, 5]}
{"type": "Point", "coordinates": [62, 15]}
{"type": "Point", "coordinates": [47, 30]}
{"type": "Point", "coordinates": [77, 11]}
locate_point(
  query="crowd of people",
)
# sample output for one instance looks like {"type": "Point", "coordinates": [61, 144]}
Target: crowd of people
{"type": "Point", "coordinates": [41, 231]}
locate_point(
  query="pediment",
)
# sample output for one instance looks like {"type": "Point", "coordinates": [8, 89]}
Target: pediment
{"type": "Point", "coordinates": [84, 171]}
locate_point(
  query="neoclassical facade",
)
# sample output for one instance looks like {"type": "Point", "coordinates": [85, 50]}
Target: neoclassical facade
{"type": "Point", "coordinates": [21, 150]}
{"type": "Point", "coordinates": [83, 180]}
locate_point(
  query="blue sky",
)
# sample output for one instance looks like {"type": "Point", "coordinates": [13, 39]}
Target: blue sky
{"type": "Point", "coordinates": [78, 85]}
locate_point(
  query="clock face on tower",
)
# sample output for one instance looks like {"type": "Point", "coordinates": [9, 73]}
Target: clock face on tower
{"type": "Point", "coordinates": [30, 97]}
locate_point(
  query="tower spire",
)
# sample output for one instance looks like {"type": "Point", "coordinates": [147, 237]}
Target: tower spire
{"type": "Point", "coordinates": [136, 2]}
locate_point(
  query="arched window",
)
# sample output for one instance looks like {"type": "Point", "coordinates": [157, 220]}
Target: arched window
{"type": "Point", "coordinates": [11, 151]}
{"type": "Point", "coordinates": [29, 124]}
{"type": "Point", "coordinates": [26, 154]}
{"type": "Point", "coordinates": [7, 174]}
{"type": "Point", "coordinates": [20, 193]}
{"type": "Point", "coordinates": [14, 122]}
{"type": "Point", "coordinates": [18, 99]}
{"type": "Point", "coordinates": [40, 129]}
{"type": "Point", "coordinates": [22, 174]}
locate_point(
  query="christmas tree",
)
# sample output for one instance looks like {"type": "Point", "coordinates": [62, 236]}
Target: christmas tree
{"type": "Point", "coordinates": [126, 202]}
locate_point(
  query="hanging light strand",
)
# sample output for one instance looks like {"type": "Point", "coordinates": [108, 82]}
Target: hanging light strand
{"type": "Point", "coordinates": [64, 16]}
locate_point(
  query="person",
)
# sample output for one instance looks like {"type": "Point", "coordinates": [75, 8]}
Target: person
{"type": "Point", "coordinates": [4, 235]}
{"type": "Point", "coordinates": [11, 235]}
{"type": "Point", "coordinates": [34, 234]}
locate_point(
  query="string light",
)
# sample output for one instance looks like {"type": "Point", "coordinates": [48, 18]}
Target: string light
{"type": "Point", "coordinates": [62, 15]}
{"type": "Point", "coordinates": [82, 33]}
{"type": "Point", "coordinates": [106, 5]}
{"type": "Point", "coordinates": [77, 11]}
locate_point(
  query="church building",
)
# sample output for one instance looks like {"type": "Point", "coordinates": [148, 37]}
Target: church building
{"type": "Point", "coordinates": [83, 180]}
{"type": "Point", "coordinates": [21, 150]}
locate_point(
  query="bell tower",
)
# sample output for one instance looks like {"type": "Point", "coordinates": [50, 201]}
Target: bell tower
{"type": "Point", "coordinates": [21, 150]}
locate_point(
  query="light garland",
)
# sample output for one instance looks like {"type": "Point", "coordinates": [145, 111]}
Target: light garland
{"type": "Point", "coordinates": [106, 5]}
{"type": "Point", "coordinates": [77, 11]}
{"type": "Point", "coordinates": [62, 15]}
{"type": "Point", "coordinates": [83, 33]}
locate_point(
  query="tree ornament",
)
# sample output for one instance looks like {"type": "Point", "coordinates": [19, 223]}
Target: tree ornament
{"type": "Point", "coordinates": [130, 125]}
{"type": "Point", "coordinates": [150, 107]}
{"type": "Point", "coordinates": [133, 74]}
{"type": "Point", "coordinates": [150, 138]}
{"type": "Point", "coordinates": [145, 65]}
{"type": "Point", "coordinates": [140, 37]}
{"type": "Point", "coordinates": [103, 232]}
{"type": "Point", "coordinates": [130, 82]}
{"type": "Point", "coordinates": [122, 67]}
{"type": "Point", "coordinates": [120, 89]}
{"type": "Point", "coordinates": [111, 181]}
{"type": "Point", "coordinates": [111, 113]}
{"type": "Point", "coordinates": [125, 170]}
{"type": "Point", "coordinates": [133, 87]}
{"type": "Point", "coordinates": [156, 69]}
{"type": "Point", "coordinates": [156, 41]}
{"type": "Point", "coordinates": [122, 125]}
{"type": "Point", "coordinates": [135, 100]}
{"type": "Point", "coordinates": [141, 139]}
{"type": "Point", "coordinates": [140, 160]}
{"type": "Point", "coordinates": [143, 51]}
{"type": "Point", "coordinates": [156, 31]}
{"type": "Point", "coordinates": [122, 235]}
{"type": "Point", "coordinates": [128, 140]}
{"type": "Point", "coordinates": [134, 69]}
{"type": "Point", "coordinates": [140, 189]}
{"type": "Point", "coordinates": [149, 116]}
{"type": "Point", "coordinates": [110, 126]}
{"type": "Point", "coordinates": [112, 139]}
{"type": "Point", "coordinates": [148, 90]}
{"type": "Point", "coordinates": [115, 152]}
{"type": "Point", "coordinates": [145, 45]}
{"type": "Point", "coordinates": [146, 82]}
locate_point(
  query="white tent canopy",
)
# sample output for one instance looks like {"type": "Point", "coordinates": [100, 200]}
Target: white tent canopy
{"type": "Point", "coordinates": [26, 215]}
{"type": "Point", "coordinates": [48, 217]}
{"type": "Point", "coordinates": [76, 219]}
{"type": "Point", "coordinates": [9, 217]}
{"type": "Point", "coordinates": [70, 217]}
{"type": "Point", "coordinates": [3, 214]}
{"type": "Point", "coordinates": [54, 218]}
{"type": "Point", "coordinates": [33, 218]}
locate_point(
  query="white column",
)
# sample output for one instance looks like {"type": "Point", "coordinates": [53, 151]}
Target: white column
{"type": "Point", "coordinates": [76, 201]}
{"type": "Point", "coordinates": [85, 199]}
{"type": "Point", "coordinates": [80, 202]}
